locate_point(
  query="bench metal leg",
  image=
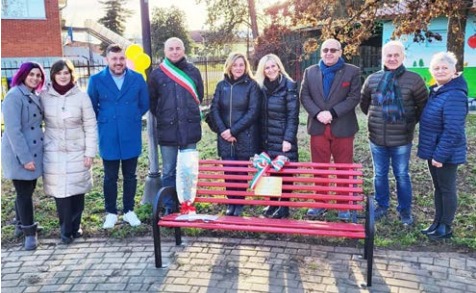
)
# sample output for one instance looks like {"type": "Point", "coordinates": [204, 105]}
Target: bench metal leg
{"type": "Point", "coordinates": [157, 246]}
{"type": "Point", "coordinates": [178, 236]}
{"type": "Point", "coordinates": [155, 220]}
{"type": "Point", "coordinates": [369, 238]}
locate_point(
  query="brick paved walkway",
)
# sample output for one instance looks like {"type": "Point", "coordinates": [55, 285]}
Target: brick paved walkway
{"type": "Point", "coordinates": [227, 265]}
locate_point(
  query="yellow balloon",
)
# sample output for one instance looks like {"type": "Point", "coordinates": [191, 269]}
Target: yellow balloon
{"type": "Point", "coordinates": [142, 72]}
{"type": "Point", "coordinates": [133, 51]}
{"type": "Point", "coordinates": [141, 62]}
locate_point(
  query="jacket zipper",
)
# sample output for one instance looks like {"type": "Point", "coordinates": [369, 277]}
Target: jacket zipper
{"type": "Point", "coordinates": [231, 104]}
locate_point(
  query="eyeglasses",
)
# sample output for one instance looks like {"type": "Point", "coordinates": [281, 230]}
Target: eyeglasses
{"type": "Point", "coordinates": [333, 50]}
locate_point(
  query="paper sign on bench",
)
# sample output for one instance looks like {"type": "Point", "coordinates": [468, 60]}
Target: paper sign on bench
{"type": "Point", "coordinates": [269, 186]}
{"type": "Point", "coordinates": [196, 217]}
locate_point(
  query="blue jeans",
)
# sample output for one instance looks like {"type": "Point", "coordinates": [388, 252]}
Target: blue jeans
{"type": "Point", "coordinates": [111, 173]}
{"type": "Point", "coordinates": [169, 167]}
{"type": "Point", "coordinates": [399, 157]}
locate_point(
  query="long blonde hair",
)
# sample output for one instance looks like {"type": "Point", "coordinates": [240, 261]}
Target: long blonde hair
{"type": "Point", "coordinates": [229, 63]}
{"type": "Point", "coordinates": [260, 76]}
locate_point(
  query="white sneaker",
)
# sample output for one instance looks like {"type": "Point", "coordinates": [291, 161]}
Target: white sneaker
{"type": "Point", "coordinates": [110, 221]}
{"type": "Point", "coordinates": [131, 218]}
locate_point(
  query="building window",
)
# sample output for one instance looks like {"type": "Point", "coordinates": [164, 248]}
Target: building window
{"type": "Point", "coordinates": [23, 9]}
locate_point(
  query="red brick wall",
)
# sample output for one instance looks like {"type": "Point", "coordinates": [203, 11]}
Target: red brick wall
{"type": "Point", "coordinates": [33, 38]}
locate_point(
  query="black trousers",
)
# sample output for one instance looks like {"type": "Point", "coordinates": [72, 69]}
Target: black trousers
{"type": "Point", "coordinates": [445, 196]}
{"type": "Point", "coordinates": [24, 201]}
{"type": "Point", "coordinates": [69, 211]}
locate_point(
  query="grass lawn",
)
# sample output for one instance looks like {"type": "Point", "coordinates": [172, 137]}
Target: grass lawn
{"type": "Point", "coordinates": [390, 233]}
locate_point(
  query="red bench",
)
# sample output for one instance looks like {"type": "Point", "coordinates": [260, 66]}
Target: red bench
{"type": "Point", "coordinates": [335, 187]}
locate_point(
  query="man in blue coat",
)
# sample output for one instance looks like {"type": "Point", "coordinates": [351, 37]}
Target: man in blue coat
{"type": "Point", "coordinates": [120, 98]}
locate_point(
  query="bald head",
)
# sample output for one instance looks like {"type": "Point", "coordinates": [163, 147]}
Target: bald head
{"type": "Point", "coordinates": [174, 49]}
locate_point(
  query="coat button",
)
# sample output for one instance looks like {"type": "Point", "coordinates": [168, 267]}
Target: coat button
{"type": "Point", "coordinates": [34, 141]}
{"type": "Point", "coordinates": [32, 128]}
{"type": "Point", "coordinates": [41, 139]}
{"type": "Point", "coordinates": [34, 155]}
{"type": "Point", "coordinates": [34, 115]}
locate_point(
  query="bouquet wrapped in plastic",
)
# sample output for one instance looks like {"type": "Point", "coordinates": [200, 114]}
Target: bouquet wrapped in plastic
{"type": "Point", "coordinates": [186, 179]}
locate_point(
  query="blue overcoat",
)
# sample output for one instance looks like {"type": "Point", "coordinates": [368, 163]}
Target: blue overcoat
{"type": "Point", "coordinates": [442, 124]}
{"type": "Point", "coordinates": [119, 113]}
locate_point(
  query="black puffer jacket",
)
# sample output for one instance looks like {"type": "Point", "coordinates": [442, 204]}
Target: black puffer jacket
{"type": "Point", "coordinates": [236, 106]}
{"type": "Point", "coordinates": [414, 95]}
{"type": "Point", "coordinates": [280, 119]}
{"type": "Point", "coordinates": [177, 113]}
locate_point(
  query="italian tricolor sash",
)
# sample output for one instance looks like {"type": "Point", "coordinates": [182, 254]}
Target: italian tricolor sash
{"type": "Point", "coordinates": [180, 77]}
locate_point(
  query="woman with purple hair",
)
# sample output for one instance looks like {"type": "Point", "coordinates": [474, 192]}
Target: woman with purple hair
{"type": "Point", "coordinates": [22, 143]}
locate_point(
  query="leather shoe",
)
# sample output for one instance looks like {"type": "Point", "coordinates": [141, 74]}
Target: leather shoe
{"type": "Point", "coordinates": [66, 239]}
{"type": "Point", "coordinates": [430, 229]}
{"type": "Point", "coordinates": [441, 232]}
{"type": "Point", "coordinates": [269, 211]}
{"type": "Point", "coordinates": [167, 211]}
{"type": "Point", "coordinates": [78, 233]}
{"type": "Point", "coordinates": [230, 210]}
{"type": "Point", "coordinates": [282, 212]}
{"type": "Point", "coordinates": [238, 210]}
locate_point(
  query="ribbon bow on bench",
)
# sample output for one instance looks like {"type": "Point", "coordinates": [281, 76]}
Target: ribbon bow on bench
{"type": "Point", "coordinates": [263, 163]}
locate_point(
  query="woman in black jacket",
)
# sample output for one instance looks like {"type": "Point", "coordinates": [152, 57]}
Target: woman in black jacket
{"type": "Point", "coordinates": [235, 111]}
{"type": "Point", "coordinates": [279, 116]}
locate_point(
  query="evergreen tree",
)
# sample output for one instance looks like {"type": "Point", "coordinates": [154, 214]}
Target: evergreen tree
{"type": "Point", "coordinates": [167, 23]}
{"type": "Point", "coordinates": [115, 16]}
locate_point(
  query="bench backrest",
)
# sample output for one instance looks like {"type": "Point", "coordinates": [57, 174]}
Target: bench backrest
{"type": "Point", "coordinates": [309, 185]}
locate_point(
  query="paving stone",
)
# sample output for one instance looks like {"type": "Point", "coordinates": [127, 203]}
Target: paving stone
{"type": "Point", "coordinates": [84, 287]}
{"type": "Point", "coordinates": [227, 265]}
{"type": "Point", "coordinates": [56, 288]}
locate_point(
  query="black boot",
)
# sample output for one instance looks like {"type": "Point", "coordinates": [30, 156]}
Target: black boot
{"type": "Point", "coordinates": [269, 211]}
{"type": "Point", "coordinates": [430, 229]}
{"type": "Point", "coordinates": [238, 210]}
{"type": "Point", "coordinates": [441, 232]}
{"type": "Point", "coordinates": [282, 212]}
{"type": "Point", "coordinates": [18, 231]}
{"type": "Point", "coordinates": [230, 210]}
{"type": "Point", "coordinates": [31, 241]}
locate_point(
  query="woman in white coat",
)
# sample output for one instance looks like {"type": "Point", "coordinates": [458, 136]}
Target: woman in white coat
{"type": "Point", "coordinates": [69, 147]}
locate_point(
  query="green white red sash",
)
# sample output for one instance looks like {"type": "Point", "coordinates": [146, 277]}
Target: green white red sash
{"type": "Point", "coordinates": [180, 77]}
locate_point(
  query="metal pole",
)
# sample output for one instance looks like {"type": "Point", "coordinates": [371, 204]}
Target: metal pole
{"type": "Point", "coordinates": [152, 182]}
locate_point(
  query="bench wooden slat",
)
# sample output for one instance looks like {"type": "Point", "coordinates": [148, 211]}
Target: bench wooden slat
{"type": "Point", "coordinates": [268, 229]}
{"type": "Point", "coordinates": [294, 179]}
{"type": "Point", "coordinates": [292, 204]}
{"type": "Point", "coordinates": [320, 172]}
{"type": "Point", "coordinates": [289, 223]}
{"type": "Point", "coordinates": [289, 164]}
{"type": "Point", "coordinates": [337, 189]}
{"type": "Point", "coordinates": [310, 196]}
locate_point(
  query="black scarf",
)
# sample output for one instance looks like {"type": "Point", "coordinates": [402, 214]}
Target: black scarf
{"type": "Point", "coordinates": [271, 86]}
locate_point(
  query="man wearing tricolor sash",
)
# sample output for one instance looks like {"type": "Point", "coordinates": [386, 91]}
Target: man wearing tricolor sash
{"type": "Point", "coordinates": [176, 91]}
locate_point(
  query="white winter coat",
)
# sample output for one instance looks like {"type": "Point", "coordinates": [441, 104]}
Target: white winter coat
{"type": "Point", "coordinates": [70, 135]}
